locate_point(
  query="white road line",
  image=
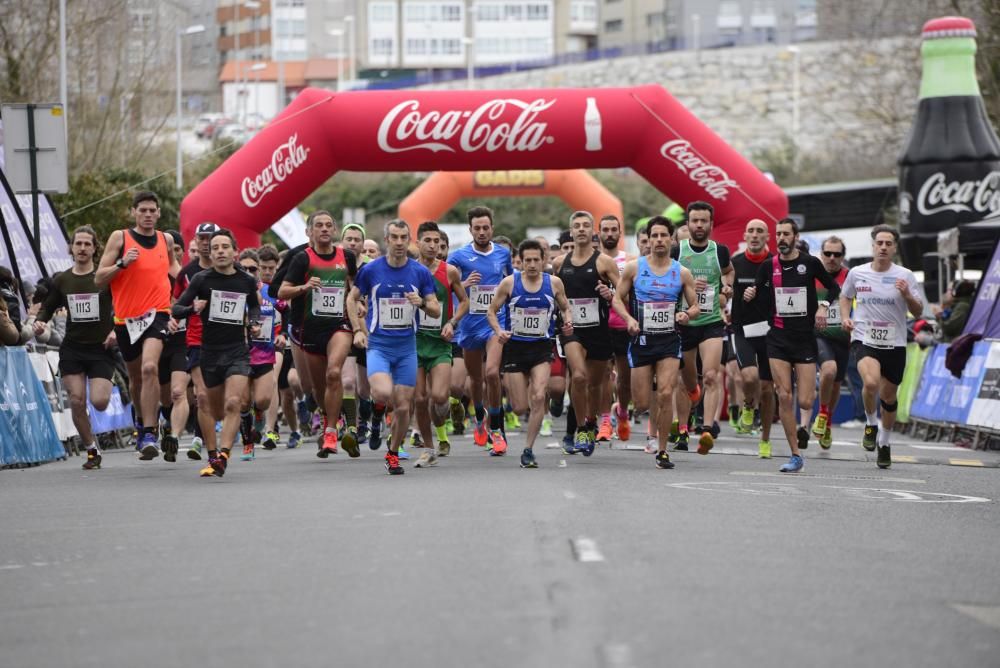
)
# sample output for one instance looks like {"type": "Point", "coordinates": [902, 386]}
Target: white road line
{"type": "Point", "coordinates": [764, 474]}
{"type": "Point", "coordinates": [947, 448]}
{"type": "Point", "coordinates": [616, 655]}
{"type": "Point", "coordinates": [11, 567]}
{"type": "Point", "coordinates": [585, 550]}
{"type": "Point", "coordinates": [562, 463]}
{"type": "Point", "coordinates": [569, 495]}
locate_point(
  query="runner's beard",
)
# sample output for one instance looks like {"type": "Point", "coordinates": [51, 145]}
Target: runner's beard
{"type": "Point", "coordinates": [783, 248]}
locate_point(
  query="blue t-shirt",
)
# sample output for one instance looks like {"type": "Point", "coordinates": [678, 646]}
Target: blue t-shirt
{"type": "Point", "coordinates": [531, 313]}
{"type": "Point", "coordinates": [389, 311]}
{"type": "Point", "coordinates": [493, 266]}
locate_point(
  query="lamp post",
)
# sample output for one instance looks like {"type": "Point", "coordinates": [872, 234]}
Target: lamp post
{"type": "Point", "coordinates": [181, 32]}
{"type": "Point", "coordinates": [470, 66]}
{"type": "Point", "coordinates": [351, 40]}
{"type": "Point", "coordinates": [339, 34]}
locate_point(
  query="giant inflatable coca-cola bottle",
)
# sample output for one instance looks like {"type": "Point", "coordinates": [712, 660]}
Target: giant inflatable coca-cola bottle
{"type": "Point", "coordinates": [949, 171]}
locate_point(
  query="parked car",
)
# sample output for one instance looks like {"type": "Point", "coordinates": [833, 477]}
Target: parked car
{"type": "Point", "coordinates": [205, 124]}
{"type": "Point", "coordinates": [232, 132]}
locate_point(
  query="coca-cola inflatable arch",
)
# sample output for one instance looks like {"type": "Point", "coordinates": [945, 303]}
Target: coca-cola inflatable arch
{"type": "Point", "coordinates": [432, 198]}
{"type": "Point", "coordinates": [322, 132]}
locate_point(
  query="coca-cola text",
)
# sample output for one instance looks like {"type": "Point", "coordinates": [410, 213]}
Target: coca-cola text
{"type": "Point", "coordinates": [285, 159]}
{"type": "Point", "coordinates": [937, 195]}
{"type": "Point", "coordinates": [711, 178]}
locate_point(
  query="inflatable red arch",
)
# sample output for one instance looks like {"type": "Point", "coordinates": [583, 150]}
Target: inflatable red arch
{"type": "Point", "coordinates": [322, 132]}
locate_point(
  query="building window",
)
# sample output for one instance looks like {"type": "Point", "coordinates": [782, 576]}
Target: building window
{"type": "Point", "coordinates": [381, 46]}
{"type": "Point", "coordinates": [451, 13]}
{"type": "Point", "coordinates": [382, 12]}
{"type": "Point", "coordinates": [416, 47]}
{"type": "Point", "coordinates": [583, 11]}
{"type": "Point", "coordinates": [538, 12]}
{"type": "Point", "coordinates": [513, 12]}
{"type": "Point", "coordinates": [416, 13]}
{"type": "Point", "coordinates": [614, 25]}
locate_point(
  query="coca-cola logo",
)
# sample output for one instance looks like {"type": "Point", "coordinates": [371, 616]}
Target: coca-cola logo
{"type": "Point", "coordinates": [285, 159]}
{"type": "Point", "coordinates": [938, 195]}
{"type": "Point", "coordinates": [480, 128]}
{"type": "Point", "coordinates": [711, 178]}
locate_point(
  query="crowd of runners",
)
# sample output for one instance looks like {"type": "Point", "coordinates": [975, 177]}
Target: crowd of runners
{"type": "Point", "coordinates": [353, 345]}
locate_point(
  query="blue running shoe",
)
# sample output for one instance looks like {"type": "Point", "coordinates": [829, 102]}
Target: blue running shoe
{"type": "Point", "coordinates": [794, 465]}
{"type": "Point", "coordinates": [293, 440]}
{"type": "Point", "coordinates": [568, 446]}
{"type": "Point", "coordinates": [375, 436]}
{"type": "Point", "coordinates": [148, 448]}
{"type": "Point", "coordinates": [363, 432]}
{"type": "Point", "coordinates": [304, 416]}
{"type": "Point", "coordinates": [403, 454]}
{"type": "Point", "coordinates": [581, 441]}
{"type": "Point", "coordinates": [588, 450]}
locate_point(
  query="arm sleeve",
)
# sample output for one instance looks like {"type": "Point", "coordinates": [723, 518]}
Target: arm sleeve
{"type": "Point", "coordinates": [253, 304]}
{"type": "Point", "coordinates": [183, 308]}
{"type": "Point", "coordinates": [763, 276]}
{"type": "Point", "coordinates": [722, 252]}
{"type": "Point", "coordinates": [828, 281]}
{"type": "Point", "coordinates": [352, 263]}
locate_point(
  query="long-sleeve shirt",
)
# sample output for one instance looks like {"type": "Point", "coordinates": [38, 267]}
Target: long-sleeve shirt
{"type": "Point", "coordinates": [232, 299]}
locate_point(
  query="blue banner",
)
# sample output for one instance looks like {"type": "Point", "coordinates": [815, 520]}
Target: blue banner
{"type": "Point", "coordinates": [940, 396]}
{"type": "Point", "coordinates": [115, 416]}
{"type": "Point", "coordinates": [27, 432]}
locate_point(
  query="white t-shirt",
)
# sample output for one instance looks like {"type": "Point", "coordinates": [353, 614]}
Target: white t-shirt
{"type": "Point", "coordinates": [880, 310]}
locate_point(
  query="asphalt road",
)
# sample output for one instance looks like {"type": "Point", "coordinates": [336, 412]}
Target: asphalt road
{"type": "Point", "coordinates": [604, 561]}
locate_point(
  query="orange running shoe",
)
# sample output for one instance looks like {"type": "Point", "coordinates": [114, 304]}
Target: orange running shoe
{"type": "Point", "coordinates": [479, 434]}
{"type": "Point", "coordinates": [499, 443]}
{"type": "Point", "coordinates": [604, 431]}
{"type": "Point", "coordinates": [329, 446]}
{"type": "Point", "coordinates": [695, 394]}
{"type": "Point", "coordinates": [705, 443]}
{"type": "Point", "coordinates": [624, 428]}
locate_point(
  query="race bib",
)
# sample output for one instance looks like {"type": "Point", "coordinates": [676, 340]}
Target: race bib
{"type": "Point", "coordinates": [530, 322]}
{"type": "Point", "coordinates": [266, 329]}
{"type": "Point", "coordinates": [586, 312]}
{"type": "Point", "coordinates": [429, 324]}
{"type": "Point", "coordinates": [880, 334]}
{"type": "Point", "coordinates": [480, 298]}
{"type": "Point", "coordinates": [84, 307]}
{"type": "Point", "coordinates": [658, 317]}
{"type": "Point", "coordinates": [395, 313]}
{"type": "Point", "coordinates": [227, 308]}
{"type": "Point", "coordinates": [328, 301]}
{"type": "Point", "coordinates": [790, 302]}
{"type": "Point", "coordinates": [833, 315]}
{"type": "Point", "coordinates": [756, 329]}
{"type": "Point", "coordinates": [706, 299]}
{"type": "Point", "coordinates": [136, 327]}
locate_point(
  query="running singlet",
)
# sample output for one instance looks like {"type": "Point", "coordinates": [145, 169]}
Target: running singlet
{"type": "Point", "coordinates": [791, 291]}
{"type": "Point", "coordinates": [88, 310]}
{"type": "Point", "coordinates": [705, 264]}
{"type": "Point", "coordinates": [834, 330]}
{"type": "Point", "coordinates": [589, 309]}
{"type": "Point", "coordinates": [231, 300]}
{"type": "Point", "coordinates": [426, 325]}
{"type": "Point", "coordinates": [493, 267]}
{"type": "Point", "coordinates": [390, 313]}
{"type": "Point", "coordinates": [880, 311]}
{"type": "Point", "coordinates": [614, 319]}
{"type": "Point", "coordinates": [322, 307]}
{"type": "Point", "coordinates": [144, 286]}
{"type": "Point", "coordinates": [656, 299]}
{"type": "Point", "coordinates": [531, 313]}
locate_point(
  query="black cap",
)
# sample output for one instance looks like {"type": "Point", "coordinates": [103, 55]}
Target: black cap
{"type": "Point", "coordinates": [207, 228]}
{"type": "Point", "coordinates": [565, 237]}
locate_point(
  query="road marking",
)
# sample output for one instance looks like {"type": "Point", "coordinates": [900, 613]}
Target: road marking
{"type": "Point", "coordinates": [984, 614]}
{"type": "Point", "coordinates": [820, 492]}
{"type": "Point", "coordinates": [616, 655]}
{"type": "Point", "coordinates": [585, 550]}
{"type": "Point", "coordinates": [562, 463]}
{"type": "Point", "coordinates": [911, 481]}
{"type": "Point", "coordinates": [11, 567]}
{"type": "Point", "coordinates": [965, 462]}
{"type": "Point", "coordinates": [569, 495]}
{"type": "Point", "coordinates": [391, 513]}
{"type": "Point", "coordinates": [554, 445]}
{"type": "Point", "coordinates": [952, 448]}
{"type": "Point", "coordinates": [904, 459]}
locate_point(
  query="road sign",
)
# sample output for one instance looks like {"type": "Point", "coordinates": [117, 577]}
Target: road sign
{"type": "Point", "coordinates": [35, 133]}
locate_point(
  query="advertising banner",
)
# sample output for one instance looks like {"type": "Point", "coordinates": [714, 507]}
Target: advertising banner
{"type": "Point", "coordinates": [943, 398]}
{"type": "Point", "coordinates": [915, 359]}
{"type": "Point", "coordinates": [27, 432]}
{"type": "Point", "coordinates": [986, 406]}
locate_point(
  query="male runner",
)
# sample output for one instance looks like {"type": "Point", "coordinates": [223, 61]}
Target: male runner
{"type": "Point", "coordinates": [357, 394]}
{"type": "Point", "coordinates": [482, 265]}
{"type": "Point", "coordinates": [434, 335]}
{"type": "Point", "coordinates": [533, 297]}
{"type": "Point", "coordinates": [396, 287]}
{"type": "Point", "coordinates": [267, 260]}
{"type": "Point", "coordinates": [656, 283]}
{"type": "Point", "coordinates": [137, 264]}
{"type": "Point", "coordinates": [316, 283]}
{"type": "Point", "coordinates": [225, 299]}
{"type": "Point", "coordinates": [749, 338]}
{"type": "Point", "coordinates": [884, 291]}
{"type": "Point", "coordinates": [787, 286]}
{"type": "Point", "coordinates": [703, 336]}
{"type": "Point", "coordinates": [262, 385]}
{"type": "Point", "coordinates": [173, 374]}
{"type": "Point", "coordinates": [610, 231]}
{"type": "Point", "coordinates": [85, 350]}
{"type": "Point", "coordinates": [833, 343]}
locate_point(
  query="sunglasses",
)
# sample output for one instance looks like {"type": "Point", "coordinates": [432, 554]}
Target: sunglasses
{"type": "Point", "coordinates": [252, 270]}
{"type": "Point", "coordinates": [833, 254]}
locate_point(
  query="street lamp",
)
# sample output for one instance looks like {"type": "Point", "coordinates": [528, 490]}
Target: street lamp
{"type": "Point", "coordinates": [181, 32]}
{"type": "Point", "coordinates": [351, 39]}
{"type": "Point", "coordinates": [470, 68]}
{"type": "Point", "coordinates": [339, 34]}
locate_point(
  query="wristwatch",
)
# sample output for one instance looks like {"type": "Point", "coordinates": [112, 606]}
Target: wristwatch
{"type": "Point", "coordinates": [120, 263]}
{"type": "Point", "coordinates": [825, 303]}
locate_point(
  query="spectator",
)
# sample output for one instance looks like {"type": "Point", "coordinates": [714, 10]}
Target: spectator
{"type": "Point", "coordinates": [10, 335]}
{"type": "Point", "coordinates": [8, 290]}
{"type": "Point", "coordinates": [954, 310]}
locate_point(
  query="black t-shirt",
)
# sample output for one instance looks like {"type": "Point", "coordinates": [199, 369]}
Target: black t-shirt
{"type": "Point", "coordinates": [282, 270]}
{"type": "Point", "coordinates": [89, 319]}
{"type": "Point", "coordinates": [298, 274]}
{"type": "Point", "coordinates": [802, 272]}
{"type": "Point", "coordinates": [745, 313]}
{"type": "Point", "coordinates": [223, 320]}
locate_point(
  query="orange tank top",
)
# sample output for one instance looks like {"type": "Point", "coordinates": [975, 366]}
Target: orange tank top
{"type": "Point", "coordinates": [145, 284]}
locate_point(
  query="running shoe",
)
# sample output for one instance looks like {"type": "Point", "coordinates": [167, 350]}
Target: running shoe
{"type": "Point", "coordinates": [556, 407]}
{"type": "Point", "coordinates": [392, 464]}
{"type": "Point", "coordinates": [733, 418]}
{"type": "Point", "coordinates": [293, 440]}
{"type": "Point", "coordinates": [402, 453]}
{"type": "Point", "coordinates": [426, 459]}
{"type": "Point", "coordinates": [663, 460]}
{"type": "Point", "coordinates": [528, 459]}
{"type": "Point", "coordinates": [793, 465]}
{"type": "Point", "coordinates": [304, 416]}
{"type": "Point", "coordinates": [318, 423]}
{"type": "Point", "coordinates": [170, 448]}
{"type": "Point", "coordinates": [444, 448]}
{"type": "Point", "coordinates": [581, 441]}
{"type": "Point", "coordinates": [652, 445]}
{"type": "Point", "coordinates": [328, 446]}
{"type": "Point", "coordinates": [568, 445]}
{"type": "Point", "coordinates": [745, 424]}
{"type": "Point", "coordinates": [588, 449]}
{"type": "Point", "coordinates": [207, 471]}
{"type": "Point", "coordinates": [624, 429]}
{"type": "Point", "coordinates": [258, 424]}
{"type": "Point", "coordinates": [247, 455]}
{"type": "Point", "coordinates": [681, 443]}
{"type": "Point", "coordinates": [819, 425]}
{"type": "Point", "coordinates": [458, 428]}
{"type": "Point", "coordinates": [216, 466]}
{"type": "Point", "coordinates": [802, 436]}
{"type": "Point", "coordinates": [415, 440]}
{"type": "Point", "coordinates": [604, 432]}
{"type": "Point", "coordinates": [764, 449]}
{"type": "Point", "coordinates": [194, 452]}
{"type": "Point", "coordinates": [93, 460]}
{"type": "Point", "coordinates": [826, 440]}
{"type": "Point", "coordinates": [351, 442]}
{"type": "Point", "coordinates": [375, 437]}
{"type": "Point", "coordinates": [884, 457]}
{"type": "Point", "coordinates": [271, 439]}
{"type": "Point", "coordinates": [706, 442]}
{"type": "Point", "coordinates": [147, 447]}
{"type": "Point", "coordinates": [546, 429]}
{"type": "Point", "coordinates": [499, 443]}
{"type": "Point", "coordinates": [363, 431]}
{"type": "Point", "coordinates": [511, 421]}
{"type": "Point", "coordinates": [457, 414]}
{"type": "Point", "coordinates": [479, 433]}
{"type": "Point", "coordinates": [868, 441]}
